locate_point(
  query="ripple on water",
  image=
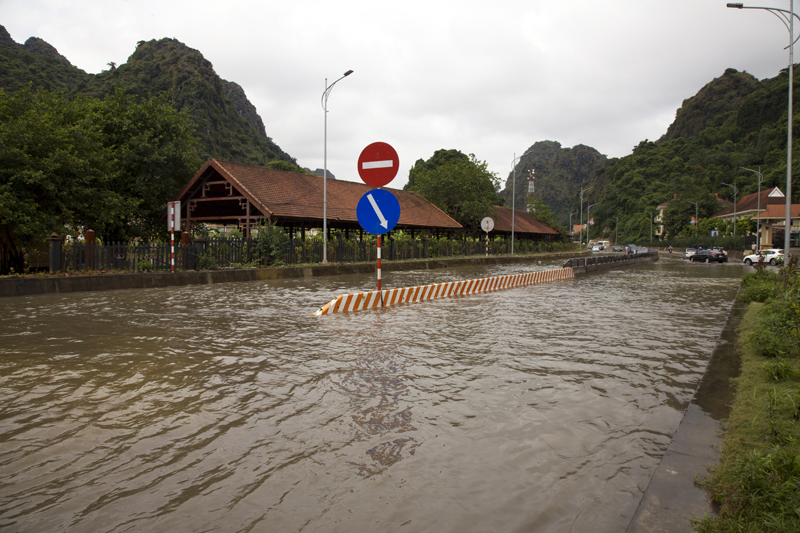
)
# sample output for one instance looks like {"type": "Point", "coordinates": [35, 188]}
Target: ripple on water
{"type": "Point", "coordinates": [228, 407]}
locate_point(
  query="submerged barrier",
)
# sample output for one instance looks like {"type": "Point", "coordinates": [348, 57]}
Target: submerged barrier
{"type": "Point", "coordinates": [358, 301]}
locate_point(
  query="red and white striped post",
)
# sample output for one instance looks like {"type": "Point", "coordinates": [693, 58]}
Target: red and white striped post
{"type": "Point", "coordinates": [487, 244]}
{"type": "Point", "coordinates": [379, 263]}
{"type": "Point", "coordinates": [172, 237]}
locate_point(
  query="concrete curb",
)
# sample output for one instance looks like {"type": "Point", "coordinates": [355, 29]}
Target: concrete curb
{"type": "Point", "coordinates": [26, 286]}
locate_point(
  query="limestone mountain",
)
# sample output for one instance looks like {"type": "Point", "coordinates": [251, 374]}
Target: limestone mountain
{"type": "Point", "coordinates": [558, 172]}
{"type": "Point", "coordinates": [227, 123]}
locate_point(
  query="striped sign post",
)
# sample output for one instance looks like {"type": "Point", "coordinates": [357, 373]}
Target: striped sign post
{"type": "Point", "coordinates": [378, 211]}
{"type": "Point", "coordinates": [487, 224]}
{"type": "Point", "coordinates": [173, 224]}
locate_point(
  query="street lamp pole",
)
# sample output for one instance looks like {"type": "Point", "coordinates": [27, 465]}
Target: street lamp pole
{"type": "Point", "coordinates": [324, 101]}
{"type": "Point", "coordinates": [580, 222]}
{"type": "Point", "coordinates": [758, 209]}
{"type": "Point", "coordinates": [651, 226]}
{"type": "Point", "coordinates": [696, 220]}
{"type": "Point", "coordinates": [616, 231]}
{"type": "Point", "coordinates": [514, 193]}
{"type": "Point", "coordinates": [735, 190]}
{"type": "Point", "coordinates": [588, 215]}
{"type": "Point", "coordinates": [571, 229]}
{"type": "Point", "coordinates": [787, 17]}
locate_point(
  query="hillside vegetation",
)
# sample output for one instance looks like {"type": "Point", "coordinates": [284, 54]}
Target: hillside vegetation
{"type": "Point", "coordinates": [225, 121]}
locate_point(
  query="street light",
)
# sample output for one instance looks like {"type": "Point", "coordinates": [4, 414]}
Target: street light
{"type": "Point", "coordinates": [735, 190]}
{"type": "Point", "coordinates": [616, 231]}
{"type": "Point", "coordinates": [696, 221]}
{"type": "Point", "coordinates": [787, 17]}
{"type": "Point", "coordinates": [588, 215]}
{"type": "Point", "coordinates": [324, 101]}
{"type": "Point", "coordinates": [513, 193]}
{"type": "Point", "coordinates": [758, 209]}
{"type": "Point", "coordinates": [580, 222]}
{"type": "Point", "coordinates": [651, 226]}
{"type": "Point", "coordinates": [571, 229]}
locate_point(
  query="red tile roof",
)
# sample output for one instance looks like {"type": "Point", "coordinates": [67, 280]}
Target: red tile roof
{"type": "Point", "coordinates": [289, 197]}
{"type": "Point", "coordinates": [524, 222]}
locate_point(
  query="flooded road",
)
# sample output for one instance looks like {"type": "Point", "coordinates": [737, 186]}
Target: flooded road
{"type": "Point", "coordinates": [229, 408]}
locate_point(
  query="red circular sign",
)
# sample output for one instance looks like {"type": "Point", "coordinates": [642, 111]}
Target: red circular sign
{"type": "Point", "coordinates": [378, 164]}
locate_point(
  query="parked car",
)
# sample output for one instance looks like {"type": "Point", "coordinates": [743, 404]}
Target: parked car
{"type": "Point", "coordinates": [617, 249]}
{"type": "Point", "coordinates": [597, 248]}
{"type": "Point", "coordinates": [706, 256]}
{"type": "Point", "coordinates": [642, 250]}
{"type": "Point", "coordinates": [631, 248]}
{"type": "Point", "coordinates": [688, 253]}
{"type": "Point", "coordinates": [771, 256]}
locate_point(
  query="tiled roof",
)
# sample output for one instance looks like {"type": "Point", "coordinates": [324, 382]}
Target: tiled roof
{"type": "Point", "coordinates": [524, 222]}
{"type": "Point", "coordinates": [751, 202]}
{"type": "Point", "coordinates": [293, 197]}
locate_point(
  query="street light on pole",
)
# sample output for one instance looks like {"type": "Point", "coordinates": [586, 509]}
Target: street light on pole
{"type": "Point", "coordinates": [616, 231]}
{"type": "Point", "coordinates": [514, 193]}
{"type": "Point", "coordinates": [571, 229]}
{"type": "Point", "coordinates": [651, 226]}
{"type": "Point", "coordinates": [588, 215]}
{"type": "Point", "coordinates": [735, 190]}
{"type": "Point", "coordinates": [787, 17]}
{"type": "Point", "coordinates": [758, 209]}
{"type": "Point", "coordinates": [324, 101]}
{"type": "Point", "coordinates": [580, 222]}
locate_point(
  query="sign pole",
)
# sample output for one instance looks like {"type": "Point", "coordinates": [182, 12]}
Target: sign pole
{"type": "Point", "coordinates": [379, 268]}
{"type": "Point", "coordinates": [487, 244]}
{"type": "Point", "coordinates": [172, 236]}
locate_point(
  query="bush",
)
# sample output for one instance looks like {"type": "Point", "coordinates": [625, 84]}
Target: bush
{"type": "Point", "coordinates": [758, 286]}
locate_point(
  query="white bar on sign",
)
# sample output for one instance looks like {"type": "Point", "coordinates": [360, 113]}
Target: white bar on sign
{"type": "Point", "coordinates": [366, 165]}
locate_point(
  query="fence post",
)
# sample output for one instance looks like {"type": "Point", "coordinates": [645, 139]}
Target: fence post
{"type": "Point", "coordinates": [54, 242]}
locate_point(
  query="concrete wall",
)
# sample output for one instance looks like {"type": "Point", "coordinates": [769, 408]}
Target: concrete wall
{"type": "Point", "coordinates": [23, 286]}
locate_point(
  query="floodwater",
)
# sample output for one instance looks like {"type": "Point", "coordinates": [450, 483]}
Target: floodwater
{"type": "Point", "coordinates": [230, 408]}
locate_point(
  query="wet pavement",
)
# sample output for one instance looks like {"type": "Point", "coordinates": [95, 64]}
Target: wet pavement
{"type": "Point", "coordinates": [673, 498]}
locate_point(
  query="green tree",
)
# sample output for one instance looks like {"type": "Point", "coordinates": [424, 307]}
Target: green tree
{"type": "Point", "coordinates": [541, 212]}
{"type": "Point", "coordinates": [110, 165]}
{"type": "Point", "coordinates": [55, 171]}
{"type": "Point", "coordinates": [462, 187]}
{"type": "Point", "coordinates": [155, 155]}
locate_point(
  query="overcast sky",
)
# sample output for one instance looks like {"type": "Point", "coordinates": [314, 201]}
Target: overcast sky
{"type": "Point", "coordinates": [488, 78]}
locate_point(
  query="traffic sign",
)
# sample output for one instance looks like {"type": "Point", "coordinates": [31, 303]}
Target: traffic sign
{"type": "Point", "coordinates": [487, 224]}
{"type": "Point", "coordinates": [378, 164]}
{"type": "Point", "coordinates": [378, 211]}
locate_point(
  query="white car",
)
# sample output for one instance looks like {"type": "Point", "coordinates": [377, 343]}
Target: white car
{"type": "Point", "coordinates": [689, 252]}
{"type": "Point", "coordinates": [770, 256]}
{"type": "Point", "coordinates": [597, 248]}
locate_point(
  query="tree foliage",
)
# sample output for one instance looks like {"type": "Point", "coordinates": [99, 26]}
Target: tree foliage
{"type": "Point", "coordinates": [109, 165]}
{"type": "Point", "coordinates": [459, 185]}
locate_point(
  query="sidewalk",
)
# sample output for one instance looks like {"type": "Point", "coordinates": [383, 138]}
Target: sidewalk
{"type": "Point", "coordinates": [672, 498]}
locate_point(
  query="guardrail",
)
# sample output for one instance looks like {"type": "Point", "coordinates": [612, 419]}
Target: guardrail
{"type": "Point", "coordinates": [609, 260]}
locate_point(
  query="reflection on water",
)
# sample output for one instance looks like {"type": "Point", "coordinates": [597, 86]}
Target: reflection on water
{"type": "Point", "coordinates": [228, 407]}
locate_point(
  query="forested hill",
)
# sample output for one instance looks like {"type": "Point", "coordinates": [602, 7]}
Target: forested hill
{"type": "Point", "coordinates": [558, 172]}
{"type": "Point", "coordinates": [734, 121]}
{"type": "Point", "coordinates": [227, 124]}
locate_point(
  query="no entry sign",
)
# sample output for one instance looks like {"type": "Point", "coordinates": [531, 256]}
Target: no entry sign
{"type": "Point", "coordinates": [378, 164]}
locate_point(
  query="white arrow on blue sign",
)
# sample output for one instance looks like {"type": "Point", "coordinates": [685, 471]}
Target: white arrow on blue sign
{"type": "Point", "coordinates": [378, 211]}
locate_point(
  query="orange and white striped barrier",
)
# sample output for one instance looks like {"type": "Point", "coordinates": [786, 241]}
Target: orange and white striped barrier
{"type": "Point", "coordinates": [358, 301]}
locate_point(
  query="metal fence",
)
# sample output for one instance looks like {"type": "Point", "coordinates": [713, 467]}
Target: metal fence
{"type": "Point", "coordinates": [605, 259]}
{"type": "Point", "coordinates": [222, 252]}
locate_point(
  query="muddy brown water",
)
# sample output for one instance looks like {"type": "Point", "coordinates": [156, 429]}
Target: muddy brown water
{"type": "Point", "coordinates": [229, 408]}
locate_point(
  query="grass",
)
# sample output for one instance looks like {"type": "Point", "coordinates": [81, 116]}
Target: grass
{"type": "Point", "coordinates": [757, 482]}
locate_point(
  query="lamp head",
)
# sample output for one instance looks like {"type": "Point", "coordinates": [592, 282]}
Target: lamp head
{"type": "Point", "coordinates": [736, 6]}
{"type": "Point", "coordinates": [350, 71]}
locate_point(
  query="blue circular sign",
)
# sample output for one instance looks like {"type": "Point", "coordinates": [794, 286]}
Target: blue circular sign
{"type": "Point", "coordinates": [378, 211]}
